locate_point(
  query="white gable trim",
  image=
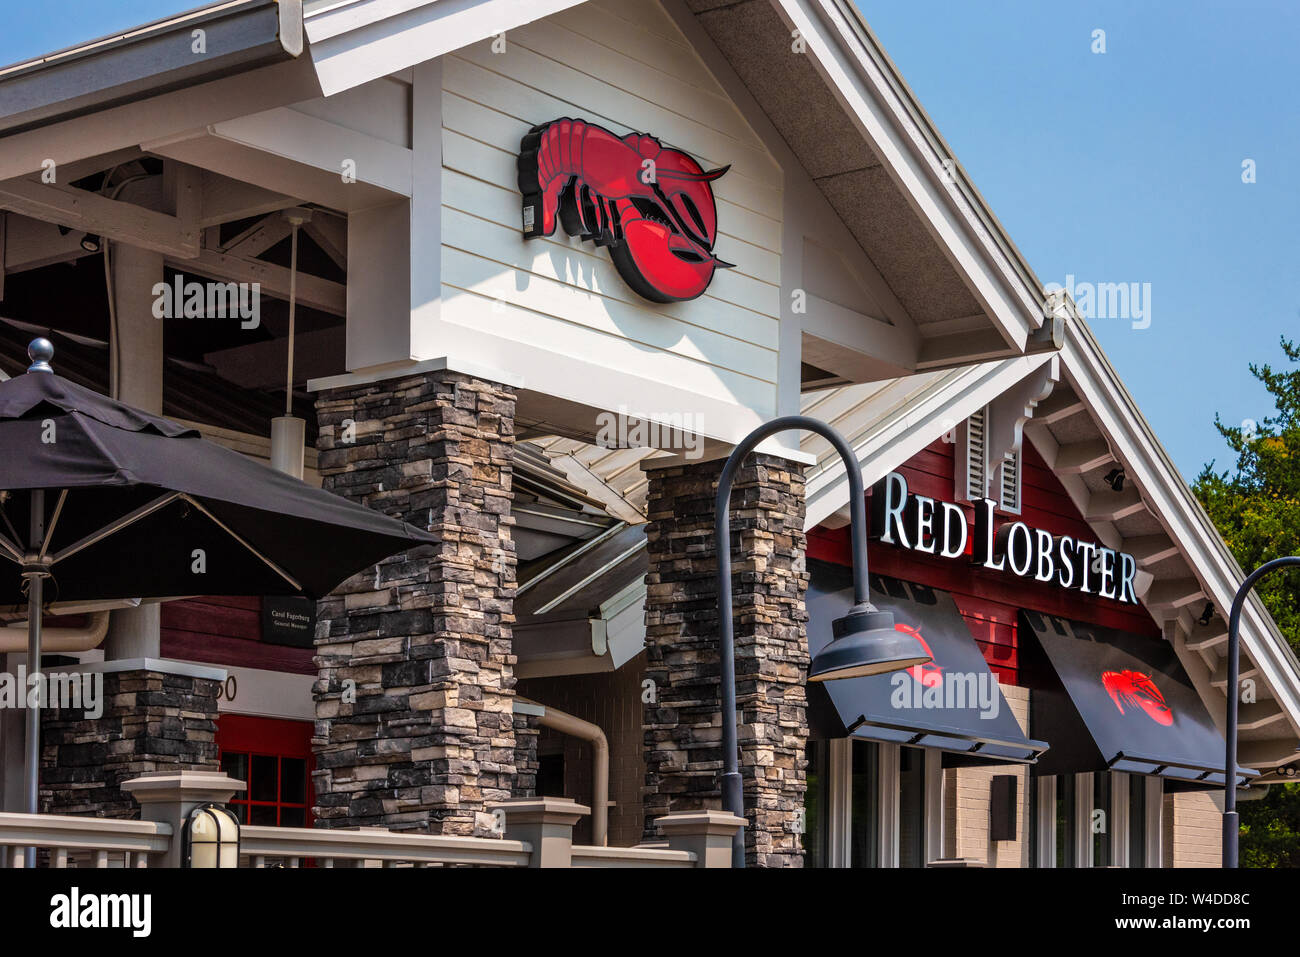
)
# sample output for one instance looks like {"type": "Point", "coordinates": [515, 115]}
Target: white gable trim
{"type": "Point", "coordinates": [356, 41]}
{"type": "Point", "coordinates": [890, 441]}
{"type": "Point", "coordinates": [876, 98]}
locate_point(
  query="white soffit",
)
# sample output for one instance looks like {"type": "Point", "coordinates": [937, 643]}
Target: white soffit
{"type": "Point", "coordinates": [355, 41]}
{"type": "Point", "coordinates": [886, 423]}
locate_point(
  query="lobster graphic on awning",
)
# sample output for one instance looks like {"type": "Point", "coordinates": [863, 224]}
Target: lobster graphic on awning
{"type": "Point", "coordinates": [1137, 690]}
{"type": "Point", "coordinates": [650, 205]}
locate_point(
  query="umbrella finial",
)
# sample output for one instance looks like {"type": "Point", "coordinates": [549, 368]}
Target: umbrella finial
{"type": "Point", "coordinates": [41, 351]}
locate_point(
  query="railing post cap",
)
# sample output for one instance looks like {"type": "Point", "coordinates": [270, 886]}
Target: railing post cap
{"type": "Point", "coordinates": [548, 810]}
{"type": "Point", "coordinates": [684, 823]}
{"type": "Point", "coordinates": [188, 786]}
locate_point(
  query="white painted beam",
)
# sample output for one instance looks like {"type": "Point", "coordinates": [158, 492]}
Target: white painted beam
{"type": "Point", "coordinates": [1205, 637]}
{"type": "Point", "coordinates": [312, 291]}
{"type": "Point", "coordinates": [224, 199]}
{"type": "Point", "coordinates": [92, 213]}
{"type": "Point", "coordinates": [1149, 549]}
{"type": "Point", "coordinates": [33, 243]}
{"type": "Point", "coordinates": [314, 142]}
{"type": "Point", "coordinates": [1078, 457]}
{"type": "Point", "coordinates": [1260, 714]}
{"type": "Point", "coordinates": [1174, 593]}
{"type": "Point", "coordinates": [1267, 754]}
{"type": "Point", "coordinates": [259, 237]}
{"type": "Point", "coordinates": [1248, 670]}
{"type": "Point", "coordinates": [1112, 506]}
{"type": "Point", "coordinates": [330, 233]}
{"type": "Point", "coordinates": [1061, 404]}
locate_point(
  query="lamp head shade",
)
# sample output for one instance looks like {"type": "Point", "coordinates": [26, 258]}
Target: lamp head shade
{"type": "Point", "coordinates": [865, 642]}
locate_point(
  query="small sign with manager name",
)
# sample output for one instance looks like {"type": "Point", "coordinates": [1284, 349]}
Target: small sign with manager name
{"type": "Point", "coordinates": [289, 621]}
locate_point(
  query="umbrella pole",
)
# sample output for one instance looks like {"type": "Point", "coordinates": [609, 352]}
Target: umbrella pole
{"type": "Point", "coordinates": [35, 573]}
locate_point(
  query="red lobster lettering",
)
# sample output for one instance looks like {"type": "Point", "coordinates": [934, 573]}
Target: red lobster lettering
{"type": "Point", "coordinates": [1137, 690]}
{"type": "Point", "coordinates": [650, 205]}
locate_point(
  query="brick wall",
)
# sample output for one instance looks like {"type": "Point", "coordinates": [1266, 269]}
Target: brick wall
{"type": "Point", "coordinates": [1193, 829]}
{"type": "Point", "coordinates": [966, 797]}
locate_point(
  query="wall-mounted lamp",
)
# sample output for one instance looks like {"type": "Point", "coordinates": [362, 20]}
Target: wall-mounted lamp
{"type": "Point", "coordinates": [211, 838]}
{"type": "Point", "coordinates": [1115, 479]}
{"type": "Point", "coordinates": [1206, 615]}
{"type": "Point", "coordinates": [90, 243]}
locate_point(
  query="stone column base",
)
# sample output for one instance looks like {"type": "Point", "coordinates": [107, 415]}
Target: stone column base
{"type": "Point", "coordinates": [157, 716]}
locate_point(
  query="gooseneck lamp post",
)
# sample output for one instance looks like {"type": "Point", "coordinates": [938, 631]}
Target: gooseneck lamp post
{"type": "Point", "coordinates": [1231, 824]}
{"type": "Point", "coordinates": [864, 642]}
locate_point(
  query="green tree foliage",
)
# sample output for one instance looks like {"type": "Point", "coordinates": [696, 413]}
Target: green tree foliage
{"type": "Point", "coordinates": [1256, 508]}
{"type": "Point", "coordinates": [1270, 828]}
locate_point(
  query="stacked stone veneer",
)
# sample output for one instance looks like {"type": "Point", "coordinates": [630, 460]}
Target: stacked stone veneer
{"type": "Point", "coordinates": [151, 722]}
{"type": "Point", "coordinates": [414, 722]}
{"type": "Point", "coordinates": [527, 732]}
{"type": "Point", "coordinates": [683, 722]}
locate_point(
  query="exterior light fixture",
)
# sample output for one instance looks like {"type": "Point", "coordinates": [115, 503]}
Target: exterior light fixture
{"type": "Point", "coordinates": [1206, 615]}
{"type": "Point", "coordinates": [211, 838]}
{"type": "Point", "coordinates": [864, 642]}
{"type": "Point", "coordinates": [1115, 479]}
{"type": "Point", "coordinates": [90, 243]}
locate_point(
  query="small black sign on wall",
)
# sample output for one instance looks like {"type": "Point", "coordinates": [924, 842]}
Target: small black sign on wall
{"type": "Point", "coordinates": [1002, 808]}
{"type": "Point", "coordinates": [289, 621]}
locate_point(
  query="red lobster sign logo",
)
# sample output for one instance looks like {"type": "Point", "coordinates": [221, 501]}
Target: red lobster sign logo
{"type": "Point", "coordinates": [1137, 690]}
{"type": "Point", "coordinates": [650, 205]}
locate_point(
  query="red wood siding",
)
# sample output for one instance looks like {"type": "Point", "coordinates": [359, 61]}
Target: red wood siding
{"type": "Point", "coordinates": [226, 631]}
{"type": "Point", "coordinates": [990, 601]}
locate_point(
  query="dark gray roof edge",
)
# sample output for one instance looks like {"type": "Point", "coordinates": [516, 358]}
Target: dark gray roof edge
{"type": "Point", "coordinates": [148, 60]}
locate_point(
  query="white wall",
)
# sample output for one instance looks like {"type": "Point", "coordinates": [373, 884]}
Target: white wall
{"type": "Point", "coordinates": [624, 65]}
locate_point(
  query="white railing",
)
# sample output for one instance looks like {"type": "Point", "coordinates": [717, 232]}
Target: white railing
{"type": "Point", "coordinates": [81, 841]}
{"type": "Point", "coordinates": [536, 832]}
{"type": "Point", "coordinates": [630, 857]}
{"type": "Point", "coordinates": [373, 847]}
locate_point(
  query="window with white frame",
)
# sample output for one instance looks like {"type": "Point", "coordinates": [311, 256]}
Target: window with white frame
{"type": "Point", "coordinates": [1103, 819]}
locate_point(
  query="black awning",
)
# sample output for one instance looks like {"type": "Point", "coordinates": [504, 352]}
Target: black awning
{"type": "Point", "coordinates": [953, 704]}
{"type": "Point", "coordinates": [1120, 702]}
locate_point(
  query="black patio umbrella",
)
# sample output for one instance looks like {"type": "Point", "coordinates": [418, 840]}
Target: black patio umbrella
{"type": "Point", "coordinates": [100, 500]}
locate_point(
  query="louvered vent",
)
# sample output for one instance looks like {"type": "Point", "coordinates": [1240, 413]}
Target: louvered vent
{"type": "Point", "coordinates": [976, 456]}
{"type": "Point", "coordinates": [1009, 485]}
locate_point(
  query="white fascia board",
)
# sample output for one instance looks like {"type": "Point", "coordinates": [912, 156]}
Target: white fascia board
{"type": "Point", "coordinates": [896, 438]}
{"type": "Point", "coordinates": [318, 143]}
{"type": "Point", "coordinates": [875, 97]}
{"type": "Point", "coordinates": [355, 42]}
{"type": "Point", "coordinates": [1174, 505]}
{"type": "Point", "coordinates": [155, 118]}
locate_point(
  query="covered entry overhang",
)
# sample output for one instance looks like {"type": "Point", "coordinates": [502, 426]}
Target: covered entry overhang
{"type": "Point", "coordinates": [953, 704]}
{"type": "Point", "coordinates": [1120, 702]}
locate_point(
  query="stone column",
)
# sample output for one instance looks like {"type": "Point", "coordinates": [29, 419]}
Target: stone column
{"type": "Point", "coordinates": [157, 716]}
{"type": "Point", "coordinates": [414, 720]}
{"type": "Point", "coordinates": [683, 723]}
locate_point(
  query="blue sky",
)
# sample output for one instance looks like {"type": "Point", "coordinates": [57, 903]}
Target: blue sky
{"type": "Point", "coordinates": [1115, 167]}
{"type": "Point", "coordinates": [1127, 167]}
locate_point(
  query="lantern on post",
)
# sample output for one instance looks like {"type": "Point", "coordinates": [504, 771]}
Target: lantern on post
{"type": "Point", "coordinates": [211, 837]}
